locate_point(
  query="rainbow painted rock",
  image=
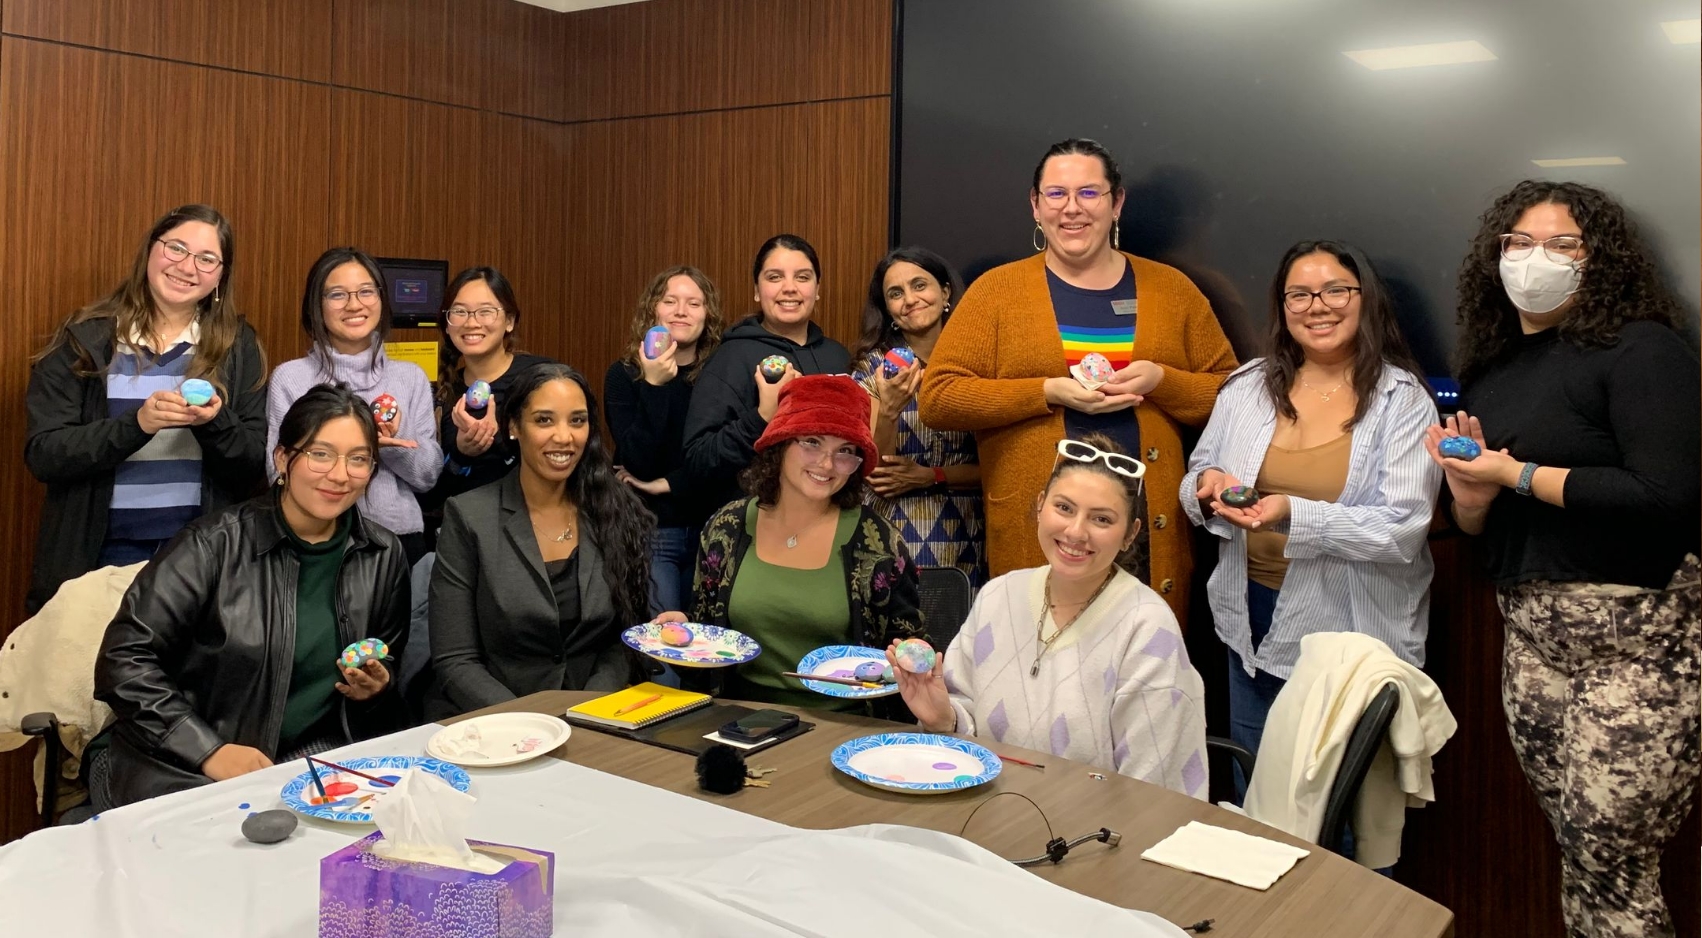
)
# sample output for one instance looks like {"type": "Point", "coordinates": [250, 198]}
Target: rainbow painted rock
{"type": "Point", "coordinates": [773, 368]}
{"type": "Point", "coordinates": [367, 649]}
{"type": "Point", "coordinates": [657, 340]}
{"type": "Point", "coordinates": [478, 397]}
{"type": "Point", "coordinates": [915, 655]}
{"type": "Point", "coordinates": [385, 409]}
{"type": "Point", "coordinates": [1093, 371]}
{"type": "Point", "coordinates": [1459, 447]}
{"type": "Point", "coordinates": [196, 392]}
{"type": "Point", "coordinates": [1239, 496]}
{"type": "Point", "coordinates": [896, 360]}
{"type": "Point", "coordinates": [870, 671]}
{"type": "Point", "coordinates": [674, 635]}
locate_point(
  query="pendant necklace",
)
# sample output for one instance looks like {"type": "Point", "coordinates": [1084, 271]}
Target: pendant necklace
{"type": "Point", "coordinates": [1046, 606]}
{"type": "Point", "coordinates": [1323, 395]}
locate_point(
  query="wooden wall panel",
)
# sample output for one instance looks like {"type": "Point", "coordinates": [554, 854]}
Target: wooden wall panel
{"type": "Point", "coordinates": [275, 37]}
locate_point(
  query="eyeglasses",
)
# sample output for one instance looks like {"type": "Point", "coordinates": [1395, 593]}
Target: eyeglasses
{"type": "Point", "coordinates": [176, 251]}
{"type": "Point", "coordinates": [359, 465]}
{"type": "Point", "coordinates": [340, 297]}
{"type": "Point", "coordinates": [1560, 248]}
{"type": "Point", "coordinates": [484, 315]}
{"type": "Point", "coordinates": [843, 463]}
{"type": "Point", "coordinates": [1086, 195]}
{"type": "Point", "coordinates": [1299, 301]}
{"type": "Point", "coordinates": [1127, 466]}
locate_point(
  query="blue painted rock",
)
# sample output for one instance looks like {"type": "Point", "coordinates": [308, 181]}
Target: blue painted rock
{"type": "Point", "coordinates": [478, 398]}
{"type": "Point", "coordinates": [915, 655]}
{"type": "Point", "coordinates": [1459, 447]}
{"type": "Point", "coordinates": [657, 340]}
{"type": "Point", "coordinates": [196, 392]}
{"type": "Point", "coordinates": [367, 649]}
{"type": "Point", "coordinates": [869, 671]}
{"type": "Point", "coordinates": [674, 635]}
{"type": "Point", "coordinates": [773, 368]}
{"type": "Point", "coordinates": [385, 409]}
{"type": "Point", "coordinates": [896, 360]}
{"type": "Point", "coordinates": [269, 827]}
{"type": "Point", "coordinates": [1239, 496]}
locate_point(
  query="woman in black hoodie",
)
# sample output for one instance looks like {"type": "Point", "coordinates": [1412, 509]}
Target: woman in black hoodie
{"type": "Point", "coordinates": [732, 403]}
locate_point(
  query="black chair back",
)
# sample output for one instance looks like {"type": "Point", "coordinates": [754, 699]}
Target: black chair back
{"type": "Point", "coordinates": [946, 598]}
{"type": "Point", "coordinates": [1362, 746]}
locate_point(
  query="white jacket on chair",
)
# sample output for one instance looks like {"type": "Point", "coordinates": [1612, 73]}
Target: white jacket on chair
{"type": "Point", "coordinates": [1308, 729]}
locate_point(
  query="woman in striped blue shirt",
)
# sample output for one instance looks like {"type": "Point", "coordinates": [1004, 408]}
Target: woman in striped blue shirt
{"type": "Point", "coordinates": [1329, 429]}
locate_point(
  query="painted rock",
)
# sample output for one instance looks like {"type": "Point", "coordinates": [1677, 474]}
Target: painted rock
{"type": "Point", "coordinates": [896, 360]}
{"type": "Point", "coordinates": [887, 677]}
{"type": "Point", "coordinates": [1093, 371]}
{"type": "Point", "coordinates": [773, 368]}
{"type": "Point", "coordinates": [478, 398]}
{"type": "Point", "coordinates": [367, 649]}
{"type": "Point", "coordinates": [870, 671]}
{"type": "Point", "coordinates": [1459, 447]}
{"type": "Point", "coordinates": [269, 827]}
{"type": "Point", "coordinates": [657, 340]}
{"type": "Point", "coordinates": [1239, 496]}
{"type": "Point", "coordinates": [674, 635]}
{"type": "Point", "coordinates": [915, 655]}
{"type": "Point", "coordinates": [385, 409]}
{"type": "Point", "coordinates": [196, 391]}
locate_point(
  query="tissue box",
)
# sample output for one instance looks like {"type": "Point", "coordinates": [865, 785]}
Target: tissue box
{"type": "Point", "coordinates": [367, 895]}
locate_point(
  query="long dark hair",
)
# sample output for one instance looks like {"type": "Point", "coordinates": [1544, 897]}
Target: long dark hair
{"type": "Point", "coordinates": [130, 305]}
{"type": "Point", "coordinates": [322, 404]}
{"type": "Point", "coordinates": [616, 518]}
{"type": "Point", "coordinates": [644, 317]}
{"type": "Point", "coordinates": [449, 358]}
{"type": "Point", "coordinates": [1620, 283]}
{"type": "Point", "coordinates": [1378, 344]}
{"type": "Point", "coordinates": [880, 331]}
{"type": "Point", "coordinates": [313, 305]}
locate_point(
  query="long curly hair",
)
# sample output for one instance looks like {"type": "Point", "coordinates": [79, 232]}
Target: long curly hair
{"type": "Point", "coordinates": [644, 317]}
{"type": "Point", "coordinates": [1379, 343]}
{"type": "Point", "coordinates": [1620, 283]}
{"type": "Point", "coordinates": [879, 331]}
{"type": "Point", "coordinates": [608, 508]}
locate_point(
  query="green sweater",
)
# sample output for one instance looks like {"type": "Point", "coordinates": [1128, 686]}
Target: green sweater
{"type": "Point", "coordinates": [313, 693]}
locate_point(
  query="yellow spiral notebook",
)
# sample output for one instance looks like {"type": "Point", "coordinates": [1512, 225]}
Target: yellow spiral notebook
{"type": "Point", "coordinates": [638, 706]}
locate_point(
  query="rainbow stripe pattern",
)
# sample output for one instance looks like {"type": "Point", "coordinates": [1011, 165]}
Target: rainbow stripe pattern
{"type": "Point", "coordinates": [1116, 343]}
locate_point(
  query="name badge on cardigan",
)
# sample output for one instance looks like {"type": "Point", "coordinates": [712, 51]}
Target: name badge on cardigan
{"type": "Point", "coordinates": [1123, 307]}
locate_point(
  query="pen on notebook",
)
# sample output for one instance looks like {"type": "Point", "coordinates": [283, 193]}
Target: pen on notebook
{"type": "Point", "coordinates": [318, 785]}
{"type": "Point", "coordinates": [371, 778]}
{"type": "Point", "coordinates": [1032, 765]}
{"type": "Point", "coordinates": [830, 679]}
{"type": "Point", "coordinates": [639, 705]}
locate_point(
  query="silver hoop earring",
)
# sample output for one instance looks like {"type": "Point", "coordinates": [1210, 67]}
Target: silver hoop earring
{"type": "Point", "coordinates": [1114, 245]}
{"type": "Point", "coordinates": [1038, 238]}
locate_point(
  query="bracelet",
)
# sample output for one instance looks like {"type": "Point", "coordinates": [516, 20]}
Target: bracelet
{"type": "Point", "coordinates": [1524, 486]}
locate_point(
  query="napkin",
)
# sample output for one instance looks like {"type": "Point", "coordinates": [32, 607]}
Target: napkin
{"type": "Point", "coordinates": [424, 820]}
{"type": "Point", "coordinates": [1225, 854]}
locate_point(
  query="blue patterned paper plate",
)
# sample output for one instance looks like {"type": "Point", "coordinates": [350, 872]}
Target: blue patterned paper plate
{"type": "Point", "coordinates": [711, 647]}
{"type": "Point", "coordinates": [920, 763]}
{"type": "Point", "coordinates": [348, 791]}
{"type": "Point", "coordinates": [838, 661]}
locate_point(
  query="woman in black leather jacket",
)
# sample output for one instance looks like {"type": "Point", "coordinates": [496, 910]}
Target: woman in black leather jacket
{"type": "Point", "coordinates": [224, 654]}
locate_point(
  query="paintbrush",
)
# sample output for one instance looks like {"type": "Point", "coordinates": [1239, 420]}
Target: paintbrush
{"type": "Point", "coordinates": [371, 778]}
{"type": "Point", "coordinates": [831, 679]}
{"type": "Point", "coordinates": [318, 785]}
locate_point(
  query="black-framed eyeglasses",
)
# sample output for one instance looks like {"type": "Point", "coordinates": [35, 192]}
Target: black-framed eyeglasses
{"type": "Point", "coordinates": [484, 315]}
{"type": "Point", "coordinates": [843, 463]}
{"type": "Point", "coordinates": [176, 251]}
{"type": "Point", "coordinates": [1336, 297]}
{"type": "Point", "coordinates": [341, 297]}
{"type": "Point", "coordinates": [1560, 248]}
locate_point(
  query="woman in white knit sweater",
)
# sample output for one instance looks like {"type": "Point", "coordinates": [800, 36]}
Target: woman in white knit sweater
{"type": "Point", "coordinates": [1076, 658]}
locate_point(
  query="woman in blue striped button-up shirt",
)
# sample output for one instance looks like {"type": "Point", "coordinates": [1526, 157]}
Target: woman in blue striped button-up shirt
{"type": "Point", "coordinates": [1329, 428]}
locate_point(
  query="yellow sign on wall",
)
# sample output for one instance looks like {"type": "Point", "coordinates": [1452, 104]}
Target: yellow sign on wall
{"type": "Point", "coordinates": [423, 354]}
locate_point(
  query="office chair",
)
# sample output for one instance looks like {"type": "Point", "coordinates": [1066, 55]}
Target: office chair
{"type": "Point", "coordinates": [946, 596]}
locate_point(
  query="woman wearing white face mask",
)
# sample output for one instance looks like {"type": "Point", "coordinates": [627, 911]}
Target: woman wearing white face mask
{"type": "Point", "coordinates": [1583, 399]}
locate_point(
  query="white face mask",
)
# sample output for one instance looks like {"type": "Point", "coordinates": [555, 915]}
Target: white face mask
{"type": "Point", "coordinates": [1538, 285]}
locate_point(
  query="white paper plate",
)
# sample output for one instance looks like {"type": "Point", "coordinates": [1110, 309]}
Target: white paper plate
{"type": "Point", "coordinates": [919, 763]}
{"type": "Point", "coordinates": [499, 739]}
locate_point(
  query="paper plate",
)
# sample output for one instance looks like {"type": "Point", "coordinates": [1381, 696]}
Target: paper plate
{"type": "Point", "coordinates": [839, 661]}
{"type": "Point", "coordinates": [921, 763]}
{"type": "Point", "coordinates": [346, 790]}
{"type": "Point", "coordinates": [499, 739]}
{"type": "Point", "coordinates": [711, 647]}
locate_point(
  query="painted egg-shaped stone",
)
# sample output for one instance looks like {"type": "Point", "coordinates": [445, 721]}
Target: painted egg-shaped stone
{"type": "Point", "coordinates": [1459, 447]}
{"type": "Point", "coordinates": [869, 671]}
{"type": "Point", "coordinates": [657, 340]}
{"type": "Point", "coordinates": [385, 409]}
{"type": "Point", "coordinates": [896, 360]}
{"type": "Point", "coordinates": [915, 655]}
{"type": "Point", "coordinates": [773, 368]}
{"type": "Point", "coordinates": [1097, 367]}
{"type": "Point", "coordinates": [674, 635]}
{"type": "Point", "coordinates": [1239, 496]}
{"type": "Point", "coordinates": [478, 396]}
{"type": "Point", "coordinates": [196, 392]}
{"type": "Point", "coordinates": [367, 649]}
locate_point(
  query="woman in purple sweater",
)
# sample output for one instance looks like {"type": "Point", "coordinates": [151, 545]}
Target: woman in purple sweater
{"type": "Point", "coordinates": [346, 311]}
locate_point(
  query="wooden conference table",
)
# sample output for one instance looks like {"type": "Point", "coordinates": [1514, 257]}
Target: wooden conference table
{"type": "Point", "coordinates": [1324, 895]}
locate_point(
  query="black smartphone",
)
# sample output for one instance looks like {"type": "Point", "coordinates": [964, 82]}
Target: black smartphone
{"type": "Point", "coordinates": [758, 726]}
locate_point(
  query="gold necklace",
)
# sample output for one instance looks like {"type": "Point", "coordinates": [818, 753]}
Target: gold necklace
{"type": "Point", "coordinates": [1323, 395]}
{"type": "Point", "coordinates": [1040, 624]}
{"type": "Point", "coordinates": [565, 535]}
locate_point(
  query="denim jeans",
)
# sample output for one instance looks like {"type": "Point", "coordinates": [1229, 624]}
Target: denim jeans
{"type": "Point", "coordinates": [673, 563]}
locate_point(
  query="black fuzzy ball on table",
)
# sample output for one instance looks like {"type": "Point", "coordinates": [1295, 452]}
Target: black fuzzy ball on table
{"type": "Point", "coordinates": [721, 770]}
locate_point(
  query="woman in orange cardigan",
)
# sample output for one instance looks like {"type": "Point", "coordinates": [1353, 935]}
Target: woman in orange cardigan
{"type": "Point", "coordinates": [1003, 366]}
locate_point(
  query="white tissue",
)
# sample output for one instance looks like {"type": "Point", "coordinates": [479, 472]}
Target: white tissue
{"type": "Point", "coordinates": [424, 820]}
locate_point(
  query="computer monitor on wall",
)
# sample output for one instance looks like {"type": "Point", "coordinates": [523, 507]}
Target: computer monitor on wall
{"type": "Point", "coordinates": [416, 290]}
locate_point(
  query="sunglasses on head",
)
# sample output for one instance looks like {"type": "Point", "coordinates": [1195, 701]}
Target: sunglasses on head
{"type": "Point", "coordinates": [1126, 466]}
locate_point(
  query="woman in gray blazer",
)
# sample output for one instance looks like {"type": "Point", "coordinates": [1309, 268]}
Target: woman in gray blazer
{"type": "Point", "coordinates": [538, 573]}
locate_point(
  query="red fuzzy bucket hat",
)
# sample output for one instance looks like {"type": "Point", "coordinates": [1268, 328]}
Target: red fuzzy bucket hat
{"type": "Point", "coordinates": [832, 405]}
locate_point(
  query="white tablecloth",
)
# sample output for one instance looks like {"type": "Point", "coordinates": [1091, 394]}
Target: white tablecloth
{"type": "Point", "coordinates": [631, 860]}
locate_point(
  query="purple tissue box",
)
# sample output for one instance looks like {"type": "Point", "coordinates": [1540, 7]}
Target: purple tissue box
{"type": "Point", "coordinates": [365, 895]}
